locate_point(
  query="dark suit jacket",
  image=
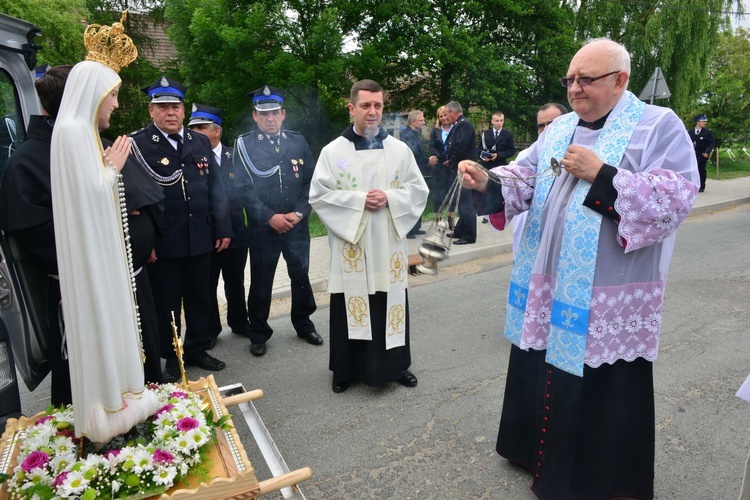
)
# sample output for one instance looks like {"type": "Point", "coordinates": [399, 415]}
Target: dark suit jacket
{"type": "Point", "coordinates": [233, 180]}
{"type": "Point", "coordinates": [503, 146]}
{"type": "Point", "coordinates": [703, 142]}
{"type": "Point", "coordinates": [284, 191]}
{"type": "Point", "coordinates": [462, 143]}
{"type": "Point", "coordinates": [196, 210]}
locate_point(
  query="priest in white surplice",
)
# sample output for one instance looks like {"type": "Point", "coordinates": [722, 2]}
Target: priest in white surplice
{"type": "Point", "coordinates": [368, 191]}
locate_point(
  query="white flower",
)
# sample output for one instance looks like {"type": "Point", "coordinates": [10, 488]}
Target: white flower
{"type": "Point", "coordinates": [165, 475]}
{"type": "Point", "coordinates": [74, 483]}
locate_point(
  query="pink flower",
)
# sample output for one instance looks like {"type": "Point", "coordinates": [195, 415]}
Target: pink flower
{"type": "Point", "coordinates": [60, 479]}
{"type": "Point", "coordinates": [163, 457]}
{"type": "Point", "coordinates": [111, 454]}
{"type": "Point", "coordinates": [178, 395]}
{"type": "Point", "coordinates": [43, 419]}
{"type": "Point", "coordinates": [163, 409]}
{"type": "Point", "coordinates": [187, 424]}
{"type": "Point", "coordinates": [36, 459]}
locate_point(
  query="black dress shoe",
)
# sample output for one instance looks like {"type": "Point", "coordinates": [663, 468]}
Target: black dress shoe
{"type": "Point", "coordinates": [408, 379]}
{"type": "Point", "coordinates": [205, 361]}
{"type": "Point", "coordinates": [410, 236]}
{"type": "Point", "coordinates": [311, 338]}
{"type": "Point", "coordinates": [171, 371]}
{"type": "Point", "coordinates": [462, 242]}
{"type": "Point", "coordinates": [419, 231]}
{"type": "Point", "coordinates": [258, 349]}
{"type": "Point", "coordinates": [211, 343]}
{"type": "Point", "coordinates": [337, 388]}
{"type": "Point", "coordinates": [452, 235]}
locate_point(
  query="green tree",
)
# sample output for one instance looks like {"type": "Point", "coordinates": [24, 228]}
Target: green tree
{"type": "Point", "coordinates": [133, 111]}
{"type": "Point", "coordinates": [293, 45]}
{"type": "Point", "coordinates": [61, 25]}
{"type": "Point", "coordinates": [494, 54]}
{"type": "Point", "coordinates": [680, 36]}
{"type": "Point", "coordinates": [726, 94]}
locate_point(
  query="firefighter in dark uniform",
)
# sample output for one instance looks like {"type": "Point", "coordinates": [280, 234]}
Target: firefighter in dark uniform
{"type": "Point", "coordinates": [196, 221]}
{"type": "Point", "coordinates": [230, 263]}
{"type": "Point", "coordinates": [280, 165]}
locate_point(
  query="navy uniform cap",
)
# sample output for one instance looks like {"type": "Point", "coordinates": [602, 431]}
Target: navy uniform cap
{"type": "Point", "coordinates": [41, 70]}
{"type": "Point", "coordinates": [701, 118]}
{"type": "Point", "coordinates": [165, 90]}
{"type": "Point", "coordinates": [204, 114]}
{"type": "Point", "coordinates": [267, 98]}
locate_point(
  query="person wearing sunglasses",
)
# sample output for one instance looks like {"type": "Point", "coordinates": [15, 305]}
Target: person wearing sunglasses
{"type": "Point", "coordinates": [586, 292]}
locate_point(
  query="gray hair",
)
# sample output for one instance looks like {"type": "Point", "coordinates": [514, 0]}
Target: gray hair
{"type": "Point", "coordinates": [562, 109]}
{"type": "Point", "coordinates": [414, 115]}
{"type": "Point", "coordinates": [618, 54]}
{"type": "Point", "coordinates": [454, 106]}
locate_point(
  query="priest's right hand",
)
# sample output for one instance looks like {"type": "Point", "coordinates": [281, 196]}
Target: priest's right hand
{"type": "Point", "coordinates": [472, 176]}
{"type": "Point", "coordinates": [376, 200]}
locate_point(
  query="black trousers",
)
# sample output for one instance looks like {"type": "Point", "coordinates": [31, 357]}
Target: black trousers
{"type": "Point", "coordinates": [60, 393]}
{"type": "Point", "coordinates": [231, 265]}
{"type": "Point", "coordinates": [702, 169]}
{"type": "Point", "coordinates": [264, 257]}
{"type": "Point", "coordinates": [150, 336]}
{"type": "Point", "coordinates": [177, 283]}
{"type": "Point", "coordinates": [466, 228]}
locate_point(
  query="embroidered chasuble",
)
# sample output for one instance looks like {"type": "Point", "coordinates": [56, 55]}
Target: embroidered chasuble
{"type": "Point", "coordinates": [369, 252]}
{"type": "Point", "coordinates": [589, 289]}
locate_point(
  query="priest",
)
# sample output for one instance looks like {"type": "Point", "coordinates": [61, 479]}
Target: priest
{"type": "Point", "coordinates": [586, 292]}
{"type": "Point", "coordinates": [368, 191]}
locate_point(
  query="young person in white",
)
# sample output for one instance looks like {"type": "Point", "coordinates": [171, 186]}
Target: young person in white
{"type": "Point", "coordinates": [96, 282]}
{"type": "Point", "coordinates": [368, 191]}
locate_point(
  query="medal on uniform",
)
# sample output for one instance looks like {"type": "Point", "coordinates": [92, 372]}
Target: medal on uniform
{"type": "Point", "coordinates": [295, 168]}
{"type": "Point", "coordinates": [164, 161]}
{"type": "Point", "coordinates": [202, 165]}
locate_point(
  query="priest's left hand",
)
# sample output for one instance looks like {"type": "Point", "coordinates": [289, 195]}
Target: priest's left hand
{"type": "Point", "coordinates": [581, 162]}
{"type": "Point", "coordinates": [376, 200]}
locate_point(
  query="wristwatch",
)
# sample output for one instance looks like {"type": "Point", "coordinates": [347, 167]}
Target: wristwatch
{"type": "Point", "coordinates": [300, 215]}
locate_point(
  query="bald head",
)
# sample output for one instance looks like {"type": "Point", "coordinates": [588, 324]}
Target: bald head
{"type": "Point", "coordinates": [594, 60]}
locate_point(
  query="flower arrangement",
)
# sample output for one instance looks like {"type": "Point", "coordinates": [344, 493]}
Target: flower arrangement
{"type": "Point", "coordinates": [146, 461]}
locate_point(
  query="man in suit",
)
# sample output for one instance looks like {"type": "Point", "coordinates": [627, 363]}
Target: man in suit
{"type": "Point", "coordinates": [497, 143]}
{"type": "Point", "coordinates": [231, 262]}
{"type": "Point", "coordinates": [462, 146]}
{"type": "Point", "coordinates": [412, 136]}
{"type": "Point", "coordinates": [280, 165]}
{"type": "Point", "coordinates": [703, 143]}
{"type": "Point", "coordinates": [196, 222]}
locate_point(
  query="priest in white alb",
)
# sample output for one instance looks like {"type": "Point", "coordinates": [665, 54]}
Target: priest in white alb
{"type": "Point", "coordinates": [368, 191]}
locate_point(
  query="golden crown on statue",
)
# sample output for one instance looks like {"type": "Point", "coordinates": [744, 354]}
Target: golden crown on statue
{"type": "Point", "coordinates": [110, 45]}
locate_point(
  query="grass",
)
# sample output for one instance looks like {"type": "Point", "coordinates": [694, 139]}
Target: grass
{"type": "Point", "coordinates": [728, 169]}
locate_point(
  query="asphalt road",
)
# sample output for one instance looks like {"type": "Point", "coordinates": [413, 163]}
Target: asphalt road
{"type": "Point", "coordinates": [437, 440]}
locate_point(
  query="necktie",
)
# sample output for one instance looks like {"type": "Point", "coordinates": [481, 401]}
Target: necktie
{"type": "Point", "coordinates": [497, 133]}
{"type": "Point", "coordinates": [178, 139]}
{"type": "Point", "coordinates": [275, 141]}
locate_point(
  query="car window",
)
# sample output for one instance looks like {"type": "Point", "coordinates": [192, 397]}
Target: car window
{"type": "Point", "coordinates": [12, 128]}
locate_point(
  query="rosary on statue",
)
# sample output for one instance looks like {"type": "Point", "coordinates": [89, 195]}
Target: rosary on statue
{"type": "Point", "coordinates": [434, 248]}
